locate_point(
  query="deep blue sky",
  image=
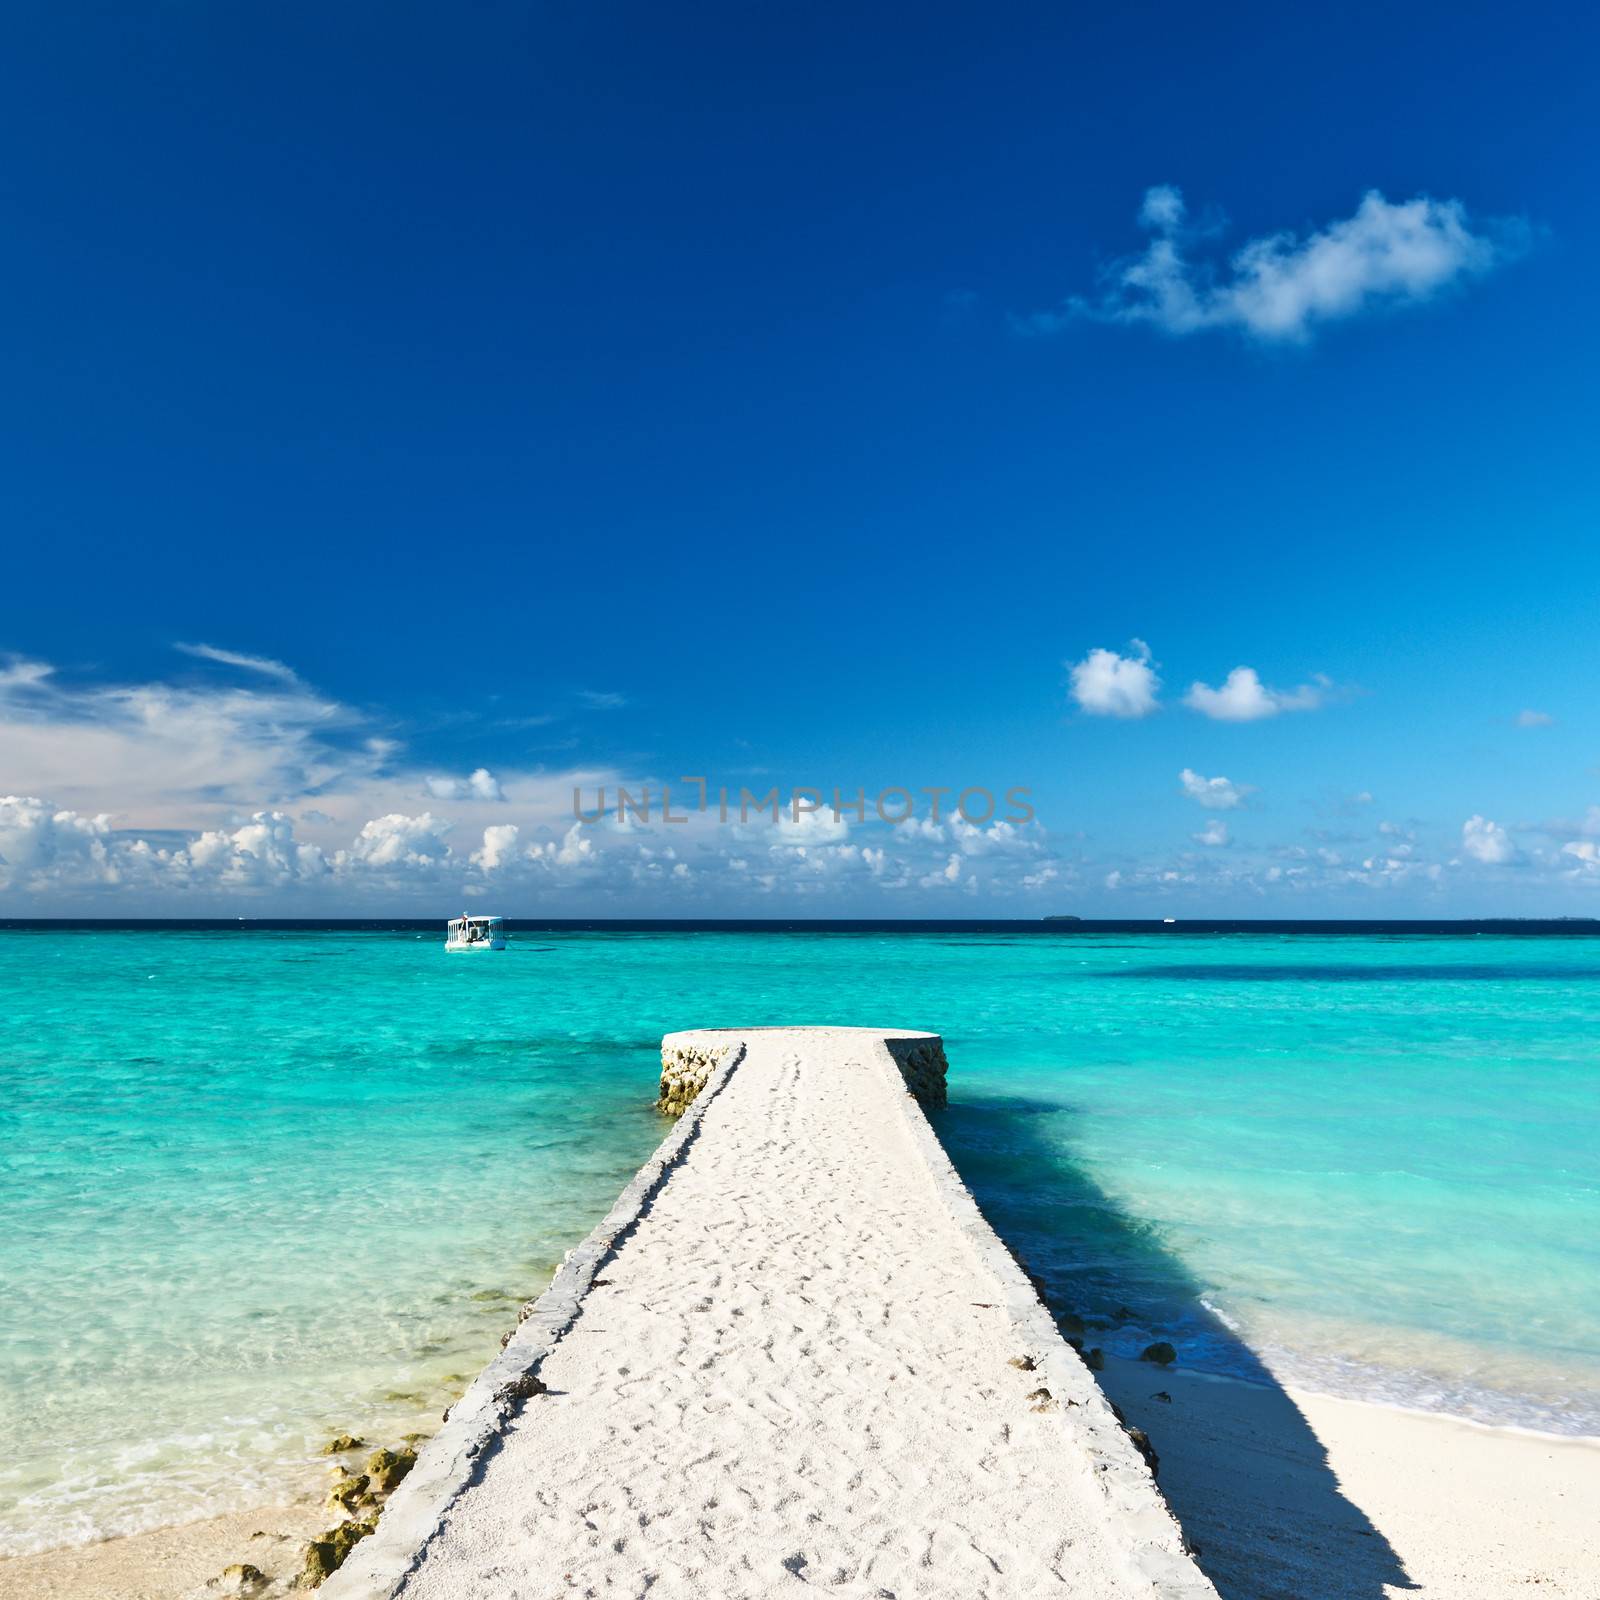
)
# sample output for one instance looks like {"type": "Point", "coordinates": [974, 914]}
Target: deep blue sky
{"type": "Point", "coordinates": [674, 355]}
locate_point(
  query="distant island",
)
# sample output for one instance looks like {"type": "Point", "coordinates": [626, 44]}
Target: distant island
{"type": "Point", "coordinates": [1063, 919]}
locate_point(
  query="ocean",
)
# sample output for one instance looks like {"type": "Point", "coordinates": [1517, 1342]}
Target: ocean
{"type": "Point", "coordinates": [262, 1183]}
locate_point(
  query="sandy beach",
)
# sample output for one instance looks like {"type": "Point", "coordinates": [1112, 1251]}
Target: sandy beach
{"type": "Point", "coordinates": [1295, 1496]}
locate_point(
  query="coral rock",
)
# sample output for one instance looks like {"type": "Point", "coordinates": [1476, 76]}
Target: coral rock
{"type": "Point", "coordinates": [241, 1578]}
{"type": "Point", "coordinates": [389, 1467]}
{"type": "Point", "coordinates": [347, 1491]}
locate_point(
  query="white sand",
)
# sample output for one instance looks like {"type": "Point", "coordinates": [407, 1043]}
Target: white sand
{"type": "Point", "coordinates": [794, 1372]}
{"type": "Point", "coordinates": [1293, 1496]}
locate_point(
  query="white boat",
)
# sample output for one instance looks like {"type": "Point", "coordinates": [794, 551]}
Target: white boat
{"type": "Point", "coordinates": [475, 933]}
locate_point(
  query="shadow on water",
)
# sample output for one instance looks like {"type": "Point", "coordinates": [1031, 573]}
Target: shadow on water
{"type": "Point", "coordinates": [1260, 1503]}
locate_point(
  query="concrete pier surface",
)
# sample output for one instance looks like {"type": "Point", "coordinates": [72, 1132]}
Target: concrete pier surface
{"type": "Point", "coordinates": [793, 1355]}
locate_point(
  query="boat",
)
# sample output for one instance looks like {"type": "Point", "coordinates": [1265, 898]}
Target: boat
{"type": "Point", "coordinates": [475, 933]}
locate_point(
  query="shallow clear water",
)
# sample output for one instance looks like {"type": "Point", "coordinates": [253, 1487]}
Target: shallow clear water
{"type": "Point", "coordinates": [256, 1187]}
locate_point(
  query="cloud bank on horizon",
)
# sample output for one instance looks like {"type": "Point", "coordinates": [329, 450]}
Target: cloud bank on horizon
{"type": "Point", "coordinates": [135, 798]}
{"type": "Point", "coordinates": [1280, 288]}
{"type": "Point", "coordinates": [161, 795]}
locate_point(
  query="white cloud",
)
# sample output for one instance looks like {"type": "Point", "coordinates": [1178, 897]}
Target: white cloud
{"type": "Point", "coordinates": [1486, 841]}
{"type": "Point", "coordinates": [1162, 209]}
{"type": "Point", "coordinates": [1215, 794]}
{"type": "Point", "coordinates": [397, 840]}
{"type": "Point", "coordinates": [1243, 697]}
{"type": "Point", "coordinates": [481, 785]}
{"type": "Point", "coordinates": [265, 665]}
{"type": "Point", "coordinates": [499, 840]}
{"type": "Point", "coordinates": [1281, 287]}
{"type": "Point", "coordinates": [1214, 833]}
{"type": "Point", "coordinates": [168, 756]}
{"type": "Point", "coordinates": [40, 845]}
{"type": "Point", "coordinates": [574, 849]}
{"type": "Point", "coordinates": [159, 792]}
{"type": "Point", "coordinates": [198, 758]}
{"type": "Point", "coordinates": [946, 877]}
{"type": "Point", "coordinates": [1534, 719]}
{"type": "Point", "coordinates": [1106, 684]}
{"type": "Point", "coordinates": [21, 673]}
{"type": "Point", "coordinates": [998, 838]}
{"type": "Point", "coordinates": [1586, 853]}
{"type": "Point", "coordinates": [261, 854]}
{"type": "Point", "coordinates": [810, 828]}
{"type": "Point", "coordinates": [602, 699]}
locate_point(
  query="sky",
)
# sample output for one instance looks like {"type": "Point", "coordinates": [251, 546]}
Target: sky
{"type": "Point", "coordinates": [415, 415]}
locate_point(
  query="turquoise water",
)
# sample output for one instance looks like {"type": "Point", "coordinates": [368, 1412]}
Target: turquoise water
{"type": "Point", "coordinates": [257, 1186]}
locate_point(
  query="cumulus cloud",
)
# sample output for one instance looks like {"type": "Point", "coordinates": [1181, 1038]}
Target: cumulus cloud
{"type": "Point", "coordinates": [262, 854]}
{"type": "Point", "coordinates": [265, 665]}
{"type": "Point", "coordinates": [802, 828]}
{"type": "Point", "coordinates": [1534, 719]}
{"type": "Point", "coordinates": [1215, 794]}
{"type": "Point", "coordinates": [499, 841]}
{"type": "Point", "coordinates": [1106, 684]}
{"type": "Point", "coordinates": [1243, 697]}
{"type": "Point", "coordinates": [41, 845]}
{"type": "Point", "coordinates": [1487, 841]}
{"type": "Point", "coordinates": [399, 841]}
{"type": "Point", "coordinates": [574, 849]}
{"type": "Point", "coordinates": [481, 785]}
{"type": "Point", "coordinates": [1214, 833]}
{"type": "Point", "coordinates": [1586, 853]}
{"type": "Point", "coordinates": [1281, 287]}
{"type": "Point", "coordinates": [946, 877]}
{"type": "Point", "coordinates": [998, 838]}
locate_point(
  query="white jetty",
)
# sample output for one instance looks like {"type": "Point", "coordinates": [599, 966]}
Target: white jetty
{"type": "Point", "coordinates": [793, 1355]}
